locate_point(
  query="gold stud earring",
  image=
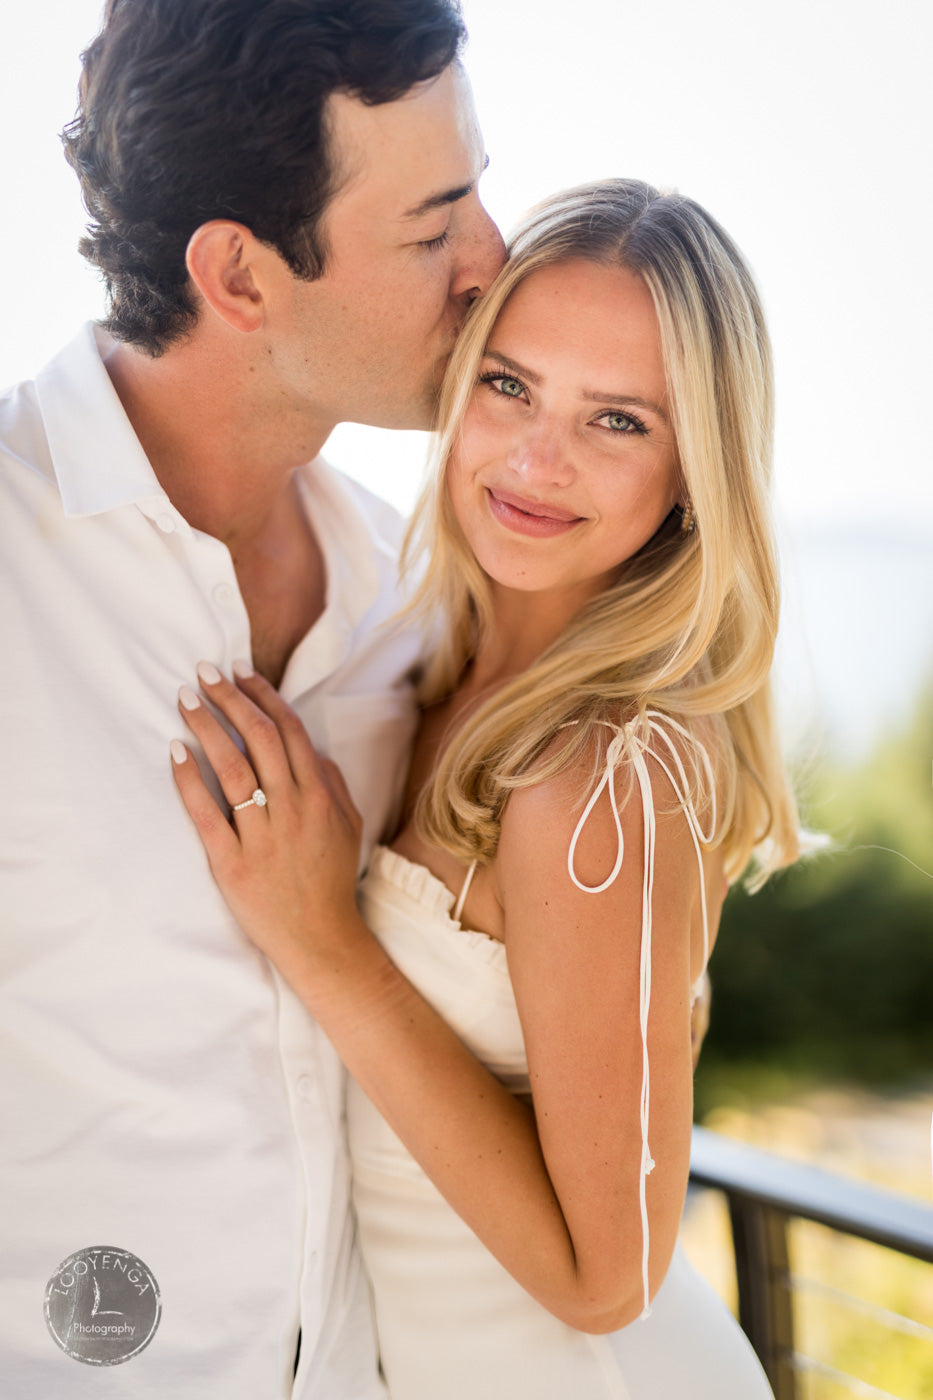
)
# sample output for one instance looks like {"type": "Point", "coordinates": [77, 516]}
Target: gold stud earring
{"type": "Point", "coordinates": [688, 519]}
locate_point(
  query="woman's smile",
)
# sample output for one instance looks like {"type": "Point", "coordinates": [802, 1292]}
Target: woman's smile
{"type": "Point", "coordinates": [533, 518]}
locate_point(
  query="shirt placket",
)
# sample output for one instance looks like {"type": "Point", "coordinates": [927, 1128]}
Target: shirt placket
{"type": "Point", "coordinates": [312, 1073]}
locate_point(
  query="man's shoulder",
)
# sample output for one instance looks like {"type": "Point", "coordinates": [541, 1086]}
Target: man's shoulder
{"type": "Point", "coordinates": [40, 415]}
{"type": "Point", "coordinates": [24, 444]}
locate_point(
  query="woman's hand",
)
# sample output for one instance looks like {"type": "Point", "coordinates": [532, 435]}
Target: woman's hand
{"type": "Point", "coordinates": [288, 868]}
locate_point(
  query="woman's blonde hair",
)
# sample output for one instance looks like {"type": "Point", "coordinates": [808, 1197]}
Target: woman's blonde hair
{"type": "Point", "coordinates": [688, 626]}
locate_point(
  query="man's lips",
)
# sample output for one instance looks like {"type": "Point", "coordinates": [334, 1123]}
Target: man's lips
{"type": "Point", "coordinates": [529, 517]}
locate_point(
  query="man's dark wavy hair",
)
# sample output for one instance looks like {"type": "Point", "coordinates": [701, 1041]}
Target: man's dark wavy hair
{"type": "Point", "coordinates": [191, 110]}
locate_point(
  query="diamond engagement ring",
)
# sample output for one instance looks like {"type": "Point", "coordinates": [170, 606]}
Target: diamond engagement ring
{"type": "Point", "coordinates": [258, 799]}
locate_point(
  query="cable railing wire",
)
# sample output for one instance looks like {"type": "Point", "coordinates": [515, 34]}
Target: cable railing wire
{"type": "Point", "coordinates": [855, 1386]}
{"type": "Point", "coordinates": [766, 1194]}
{"type": "Point", "coordinates": [885, 1317]}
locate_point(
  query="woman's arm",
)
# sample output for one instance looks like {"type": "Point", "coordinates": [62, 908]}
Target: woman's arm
{"type": "Point", "coordinates": [574, 960]}
{"type": "Point", "coordinates": [556, 1200]}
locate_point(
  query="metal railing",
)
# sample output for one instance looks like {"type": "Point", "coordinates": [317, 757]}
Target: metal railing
{"type": "Point", "coordinates": [765, 1193]}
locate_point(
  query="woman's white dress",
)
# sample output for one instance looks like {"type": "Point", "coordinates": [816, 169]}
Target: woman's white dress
{"type": "Point", "coordinates": [452, 1323]}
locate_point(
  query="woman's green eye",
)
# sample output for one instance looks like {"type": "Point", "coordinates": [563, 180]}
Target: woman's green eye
{"type": "Point", "coordinates": [619, 422]}
{"type": "Point", "coordinates": [512, 387]}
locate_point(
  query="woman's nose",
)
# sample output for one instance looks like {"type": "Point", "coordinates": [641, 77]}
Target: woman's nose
{"type": "Point", "coordinates": [541, 455]}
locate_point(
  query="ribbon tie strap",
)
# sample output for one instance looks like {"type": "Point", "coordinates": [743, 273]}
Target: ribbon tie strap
{"type": "Point", "coordinates": [634, 741]}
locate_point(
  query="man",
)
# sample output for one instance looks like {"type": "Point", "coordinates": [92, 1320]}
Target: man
{"type": "Point", "coordinates": [283, 201]}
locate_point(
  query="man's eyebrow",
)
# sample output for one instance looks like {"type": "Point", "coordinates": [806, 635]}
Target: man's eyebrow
{"type": "Point", "coordinates": [438, 201]}
{"type": "Point", "coordinates": [591, 396]}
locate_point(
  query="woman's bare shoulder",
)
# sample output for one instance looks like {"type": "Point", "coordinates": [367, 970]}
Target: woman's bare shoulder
{"type": "Point", "coordinates": [588, 818]}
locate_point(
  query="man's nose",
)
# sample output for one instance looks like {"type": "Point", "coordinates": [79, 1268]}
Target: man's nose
{"type": "Point", "coordinates": [484, 257]}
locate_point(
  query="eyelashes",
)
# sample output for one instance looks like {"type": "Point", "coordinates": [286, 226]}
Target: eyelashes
{"type": "Point", "coordinates": [637, 426]}
{"type": "Point", "coordinates": [433, 245]}
{"type": "Point", "coordinates": [497, 376]}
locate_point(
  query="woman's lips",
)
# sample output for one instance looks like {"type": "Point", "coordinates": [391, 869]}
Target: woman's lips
{"type": "Point", "coordinates": [530, 517]}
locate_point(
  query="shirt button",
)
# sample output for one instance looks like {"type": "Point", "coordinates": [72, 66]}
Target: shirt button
{"type": "Point", "coordinates": [306, 1087]}
{"type": "Point", "coordinates": [224, 594]}
{"type": "Point", "coordinates": [165, 523]}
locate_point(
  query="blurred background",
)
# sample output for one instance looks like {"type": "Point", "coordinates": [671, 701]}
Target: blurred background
{"type": "Point", "coordinates": [805, 128]}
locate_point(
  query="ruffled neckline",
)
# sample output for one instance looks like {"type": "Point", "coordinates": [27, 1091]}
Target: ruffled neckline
{"type": "Point", "coordinates": [432, 896]}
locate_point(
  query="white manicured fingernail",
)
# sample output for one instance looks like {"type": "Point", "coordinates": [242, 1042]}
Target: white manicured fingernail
{"type": "Point", "coordinates": [188, 698]}
{"type": "Point", "coordinates": [178, 751]}
{"type": "Point", "coordinates": [243, 670]}
{"type": "Point", "coordinates": [207, 673]}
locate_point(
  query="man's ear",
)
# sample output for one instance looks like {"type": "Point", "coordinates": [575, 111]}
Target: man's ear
{"type": "Point", "coordinates": [222, 259]}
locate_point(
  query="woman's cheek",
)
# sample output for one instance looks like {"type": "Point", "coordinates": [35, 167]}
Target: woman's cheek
{"type": "Point", "coordinates": [470, 455]}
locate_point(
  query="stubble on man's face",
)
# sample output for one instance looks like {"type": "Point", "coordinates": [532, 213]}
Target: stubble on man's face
{"type": "Point", "coordinates": [409, 246]}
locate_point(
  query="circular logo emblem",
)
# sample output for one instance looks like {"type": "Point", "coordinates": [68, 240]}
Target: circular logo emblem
{"type": "Point", "coordinates": [102, 1306]}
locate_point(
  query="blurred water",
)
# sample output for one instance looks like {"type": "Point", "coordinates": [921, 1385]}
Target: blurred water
{"type": "Point", "coordinates": [856, 643]}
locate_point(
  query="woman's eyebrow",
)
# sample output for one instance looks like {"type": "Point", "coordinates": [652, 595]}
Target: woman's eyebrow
{"type": "Point", "coordinates": [622, 400]}
{"type": "Point", "coordinates": [491, 354]}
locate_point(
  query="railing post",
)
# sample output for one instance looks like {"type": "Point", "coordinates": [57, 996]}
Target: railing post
{"type": "Point", "coordinates": [759, 1236]}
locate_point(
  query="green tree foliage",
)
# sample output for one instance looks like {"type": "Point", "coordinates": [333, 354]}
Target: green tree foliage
{"type": "Point", "coordinates": [829, 969]}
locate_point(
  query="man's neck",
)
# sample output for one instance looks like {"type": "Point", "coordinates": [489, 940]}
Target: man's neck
{"type": "Point", "coordinates": [225, 446]}
{"type": "Point", "coordinates": [221, 442]}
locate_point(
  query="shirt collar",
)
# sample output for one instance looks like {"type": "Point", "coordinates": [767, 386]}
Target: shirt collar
{"type": "Point", "coordinates": [98, 460]}
{"type": "Point", "coordinates": [100, 464]}
{"type": "Point", "coordinates": [350, 540]}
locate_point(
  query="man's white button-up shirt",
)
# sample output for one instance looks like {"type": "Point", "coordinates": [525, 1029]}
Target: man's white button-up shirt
{"type": "Point", "coordinates": [161, 1091]}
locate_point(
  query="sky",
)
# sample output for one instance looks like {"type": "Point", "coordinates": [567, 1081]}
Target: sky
{"type": "Point", "coordinates": [804, 127]}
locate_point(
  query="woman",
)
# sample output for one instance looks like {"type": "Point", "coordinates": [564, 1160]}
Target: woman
{"type": "Point", "coordinates": [597, 760]}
